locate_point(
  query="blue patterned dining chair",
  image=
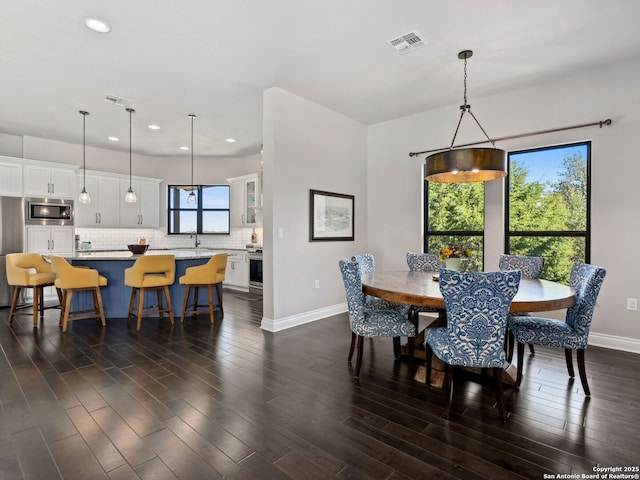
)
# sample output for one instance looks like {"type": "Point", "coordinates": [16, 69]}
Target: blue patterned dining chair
{"type": "Point", "coordinates": [366, 320]}
{"type": "Point", "coordinates": [423, 262]}
{"type": "Point", "coordinates": [366, 263]}
{"type": "Point", "coordinates": [531, 267]}
{"type": "Point", "coordinates": [573, 333]}
{"type": "Point", "coordinates": [477, 305]}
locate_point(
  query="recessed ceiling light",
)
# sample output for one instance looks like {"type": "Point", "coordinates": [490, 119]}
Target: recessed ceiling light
{"type": "Point", "coordinates": [154, 127]}
{"type": "Point", "coordinates": [114, 139]}
{"type": "Point", "coordinates": [184, 148]}
{"type": "Point", "coordinates": [97, 25]}
{"type": "Point", "coordinates": [231, 140]}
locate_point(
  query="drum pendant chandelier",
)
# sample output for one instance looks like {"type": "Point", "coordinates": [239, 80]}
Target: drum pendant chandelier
{"type": "Point", "coordinates": [464, 165]}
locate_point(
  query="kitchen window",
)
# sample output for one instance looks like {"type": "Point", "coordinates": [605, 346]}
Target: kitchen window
{"type": "Point", "coordinates": [548, 206]}
{"type": "Point", "coordinates": [454, 215]}
{"type": "Point", "coordinates": [209, 214]}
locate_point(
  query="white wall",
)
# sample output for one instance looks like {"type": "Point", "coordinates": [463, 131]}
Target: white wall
{"type": "Point", "coordinates": [395, 179]}
{"type": "Point", "coordinates": [307, 146]}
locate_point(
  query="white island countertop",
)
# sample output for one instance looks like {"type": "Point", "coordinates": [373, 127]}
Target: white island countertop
{"type": "Point", "coordinates": [179, 253]}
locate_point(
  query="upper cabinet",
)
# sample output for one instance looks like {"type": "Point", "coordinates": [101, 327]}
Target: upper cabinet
{"type": "Point", "coordinates": [100, 212]}
{"type": "Point", "coordinates": [145, 212]}
{"type": "Point", "coordinates": [108, 208]}
{"type": "Point", "coordinates": [42, 180]}
{"type": "Point", "coordinates": [10, 177]}
{"type": "Point", "coordinates": [245, 200]}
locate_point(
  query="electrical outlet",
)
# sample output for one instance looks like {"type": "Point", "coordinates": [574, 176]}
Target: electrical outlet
{"type": "Point", "coordinates": [632, 304]}
{"type": "Point", "coordinates": [316, 284]}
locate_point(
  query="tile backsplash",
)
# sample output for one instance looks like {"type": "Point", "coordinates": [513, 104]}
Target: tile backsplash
{"type": "Point", "coordinates": [119, 238]}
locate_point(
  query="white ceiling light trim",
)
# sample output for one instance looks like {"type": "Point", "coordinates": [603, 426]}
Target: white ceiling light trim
{"type": "Point", "coordinates": [153, 127]}
{"type": "Point", "coordinates": [230, 140]}
{"type": "Point", "coordinates": [113, 139]}
{"type": "Point", "coordinates": [97, 25]}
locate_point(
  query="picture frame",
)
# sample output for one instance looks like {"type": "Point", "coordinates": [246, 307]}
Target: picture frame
{"type": "Point", "coordinates": [331, 216]}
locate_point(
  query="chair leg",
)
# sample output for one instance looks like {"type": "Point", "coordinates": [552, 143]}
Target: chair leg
{"type": "Point", "coordinates": [583, 372]}
{"type": "Point", "coordinates": [67, 308]}
{"type": "Point", "coordinates": [532, 350]}
{"type": "Point", "coordinates": [353, 344]}
{"type": "Point", "coordinates": [497, 375]}
{"type": "Point", "coordinates": [210, 297]}
{"type": "Point", "coordinates": [510, 343]}
{"type": "Point", "coordinates": [100, 307]}
{"type": "Point", "coordinates": [14, 303]}
{"type": "Point", "coordinates": [449, 391]}
{"type": "Point", "coordinates": [185, 302]}
{"type": "Point", "coordinates": [140, 308]}
{"type": "Point", "coordinates": [168, 297]}
{"type": "Point", "coordinates": [63, 301]}
{"type": "Point", "coordinates": [520, 362]}
{"type": "Point", "coordinates": [410, 347]}
{"type": "Point", "coordinates": [37, 292]}
{"type": "Point", "coordinates": [428, 357]}
{"type": "Point", "coordinates": [396, 347]}
{"type": "Point", "coordinates": [567, 356]}
{"type": "Point", "coordinates": [159, 302]}
{"type": "Point", "coordinates": [219, 293]}
{"type": "Point", "coordinates": [359, 355]}
{"type": "Point", "coordinates": [131, 304]}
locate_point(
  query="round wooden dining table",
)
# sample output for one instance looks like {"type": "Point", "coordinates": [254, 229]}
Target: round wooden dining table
{"type": "Point", "coordinates": [419, 289]}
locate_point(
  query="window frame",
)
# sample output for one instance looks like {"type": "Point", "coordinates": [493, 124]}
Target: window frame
{"type": "Point", "coordinates": [199, 209]}
{"type": "Point", "coordinates": [444, 233]}
{"type": "Point", "coordinates": [586, 234]}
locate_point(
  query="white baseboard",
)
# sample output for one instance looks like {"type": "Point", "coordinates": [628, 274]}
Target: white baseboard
{"type": "Point", "coordinates": [615, 342]}
{"type": "Point", "coordinates": [271, 325]}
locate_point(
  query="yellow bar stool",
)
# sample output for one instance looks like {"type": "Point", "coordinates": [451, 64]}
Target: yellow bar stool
{"type": "Point", "coordinates": [205, 276]}
{"type": "Point", "coordinates": [29, 270]}
{"type": "Point", "coordinates": [71, 280]}
{"type": "Point", "coordinates": [150, 272]}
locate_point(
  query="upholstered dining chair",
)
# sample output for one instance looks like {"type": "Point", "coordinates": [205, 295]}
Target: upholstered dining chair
{"type": "Point", "coordinates": [206, 276]}
{"type": "Point", "coordinates": [423, 262]}
{"type": "Point", "coordinates": [477, 305]}
{"type": "Point", "coordinates": [29, 271]}
{"type": "Point", "coordinates": [367, 320]}
{"type": "Point", "coordinates": [155, 273]}
{"type": "Point", "coordinates": [366, 263]}
{"type": "Point", "coordinates": [531, 267]}
{"type": "Point", "coordinates": [70, 280]}
{"type": "Point", "coordinates": [573, 333]}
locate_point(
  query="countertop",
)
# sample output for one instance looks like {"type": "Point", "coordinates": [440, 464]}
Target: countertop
{"type": "Point", "coordinates": [179, 253]}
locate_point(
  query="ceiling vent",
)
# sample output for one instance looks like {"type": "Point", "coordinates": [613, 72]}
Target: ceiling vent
{"type": "Point", "coordinates": [407, 42]}
{"type": "Point", "coordinates": [115, 100]}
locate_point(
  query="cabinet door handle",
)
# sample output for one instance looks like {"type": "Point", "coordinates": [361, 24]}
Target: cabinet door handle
{"type": "Point", "coordinates": [48, 188]}
{"type": "Point", "coordinates": [96, 217]}
{"type": "Point", "coordinates": [53, 188]}
{"type": "Point", "coordinates": [100, 217]}
{"type": "Point", "coordinates": [53, 245]}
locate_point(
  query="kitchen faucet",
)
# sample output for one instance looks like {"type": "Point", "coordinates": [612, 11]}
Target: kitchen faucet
{"type": "Point", "coordinates": [196, 235]}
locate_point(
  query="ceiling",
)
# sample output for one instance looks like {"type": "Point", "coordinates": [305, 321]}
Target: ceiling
{"type": "Point", "coordinates": [214, 58]}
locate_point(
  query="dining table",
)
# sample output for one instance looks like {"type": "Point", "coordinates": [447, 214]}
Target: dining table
{"type": "Point", "coordinates": [421, 290]}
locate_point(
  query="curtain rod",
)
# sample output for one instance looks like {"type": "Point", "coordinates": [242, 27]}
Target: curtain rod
{"type": "Point", "coordinates": [601, 124]}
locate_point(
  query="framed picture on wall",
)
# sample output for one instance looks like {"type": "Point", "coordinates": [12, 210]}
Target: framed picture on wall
{"type": "Point", "coordinates": [330, 216]}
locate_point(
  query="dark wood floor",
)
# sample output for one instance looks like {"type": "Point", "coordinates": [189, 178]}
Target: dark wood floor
{"type": "Point", "coordinates": [232, 401]}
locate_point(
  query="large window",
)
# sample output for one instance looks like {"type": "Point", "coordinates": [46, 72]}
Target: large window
{"type": "Point", "coordinates": [547, 206]}
{"type": "Point", "coordinates": [454, 215]}
{"type": "Point", "coordinates": [209, 214]}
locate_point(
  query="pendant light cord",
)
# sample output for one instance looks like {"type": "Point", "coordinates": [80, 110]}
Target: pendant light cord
{"type": "Point", "coordinates": [130, 110]}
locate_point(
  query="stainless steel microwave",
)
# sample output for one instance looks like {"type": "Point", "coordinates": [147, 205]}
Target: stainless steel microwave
{"type": "Point", "coordinates": [48, 211]}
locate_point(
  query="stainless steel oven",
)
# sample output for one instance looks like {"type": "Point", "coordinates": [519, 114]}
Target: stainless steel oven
{"type": "Point", "coordinates": [255, 272]}
{"type": "Point", "coordinates": [48, 211]}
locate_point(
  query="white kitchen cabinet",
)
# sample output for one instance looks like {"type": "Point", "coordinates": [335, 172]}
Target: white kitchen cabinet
{"type": "Point", "coordinates": [237, 273]}
{"type": "Point", "coordinates": [245, 197]}
{"type": "Point", "coordinates": [102, 211]}
{"type": "Point", "coordinates": [10, 177]}
{"type": "Point", "coordinates": [41, 180]}
{"type": "Point", "coordinates": [145, 212]}
{"type": "Point", "coordinates": [50, 239]}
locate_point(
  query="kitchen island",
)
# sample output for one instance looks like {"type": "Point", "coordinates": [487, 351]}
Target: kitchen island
{"type": "Point", "coordinates": [116, 295]}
